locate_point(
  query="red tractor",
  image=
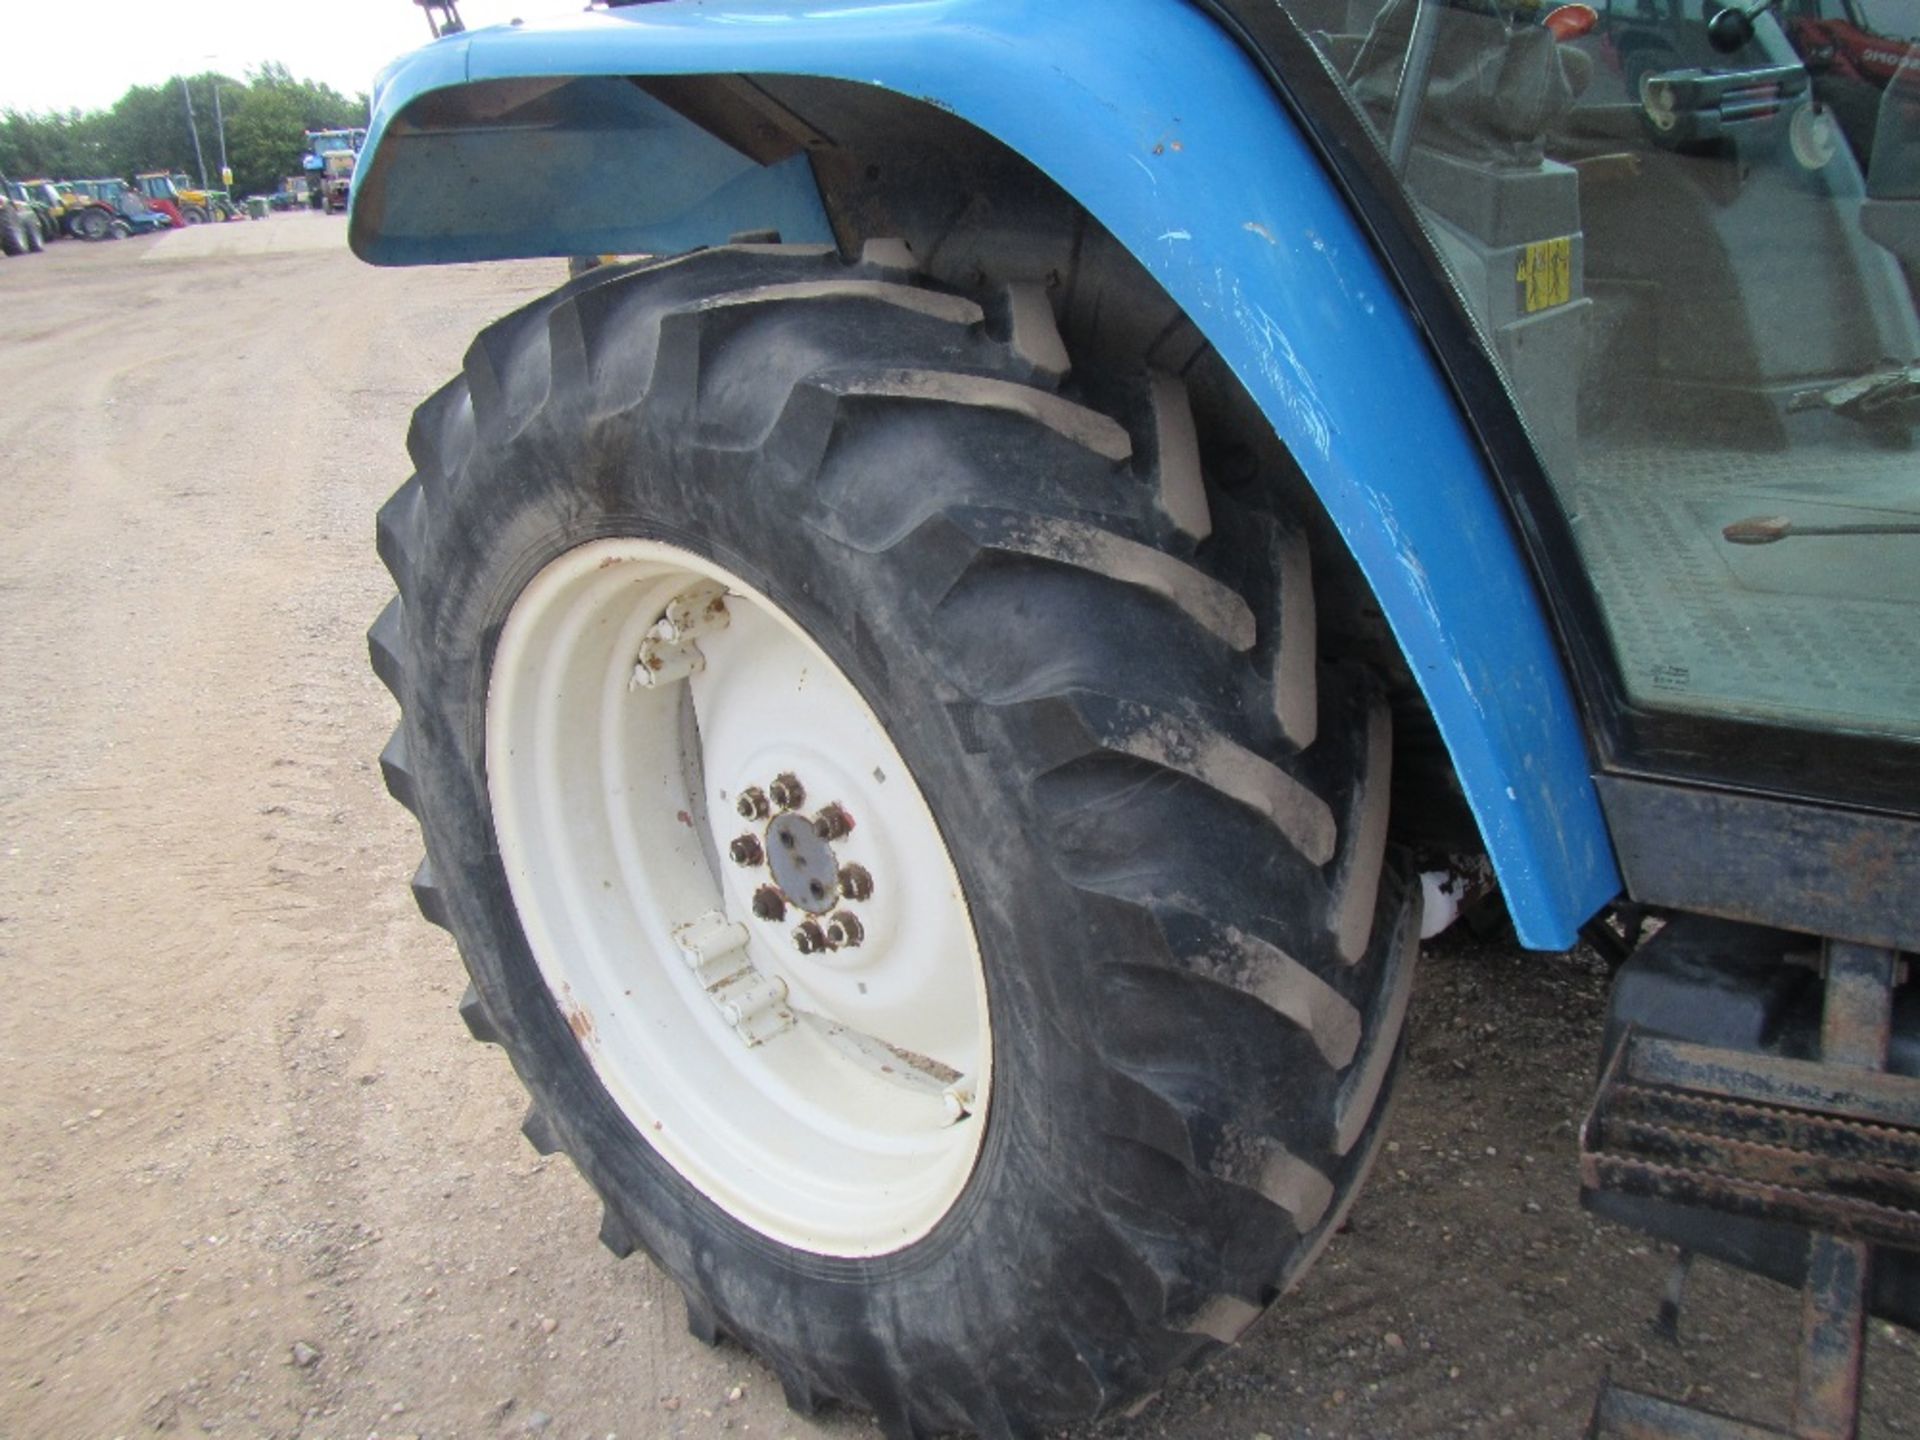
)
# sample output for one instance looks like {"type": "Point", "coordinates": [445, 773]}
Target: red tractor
{"type": "Point", "coordinates": [1853, 52]}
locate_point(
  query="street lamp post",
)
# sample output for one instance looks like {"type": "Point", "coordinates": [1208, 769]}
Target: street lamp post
{"type": "Point", "coordinates": [211, 62]}
{"type": "Point", "coordinates": [194, 130]}
{"type": "Point", "coordinates": [220, 123]}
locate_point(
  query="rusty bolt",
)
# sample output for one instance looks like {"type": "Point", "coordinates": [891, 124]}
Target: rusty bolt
{"type": "Point", "coordinates": [769, 903]}
{"type": "Point", "coordinates": [746, 850]}
{"type": "Point", "coordinates": [752, 804]}
{"type": "Point", "coordinates": [832, 822]}
{"type": "Point", "coordinates": [786, 791]}
{"type": "Point", "coordinates": [809, 938]}
{"type": "Point", "coordinates": [844, 930]}
{"type": "Point", "coordinates": [855, 882]}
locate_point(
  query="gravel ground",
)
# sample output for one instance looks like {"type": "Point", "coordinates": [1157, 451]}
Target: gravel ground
{"type": "Point", "coordinates": [258, 1182]}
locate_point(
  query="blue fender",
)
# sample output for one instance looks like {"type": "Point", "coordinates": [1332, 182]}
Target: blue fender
{"type": "Point", "coordinates": [1153, 120]}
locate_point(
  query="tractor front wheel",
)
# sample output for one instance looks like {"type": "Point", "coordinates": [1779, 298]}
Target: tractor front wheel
{"type": "Point", "coordinates": [193, 214]}
{"type": "Point", "coordinates": [92, 224]}
{"type": "Point", "coordinates": [897, 825]}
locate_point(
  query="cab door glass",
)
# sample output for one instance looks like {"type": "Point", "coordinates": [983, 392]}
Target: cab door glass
{"type": "Point", "coordinates": [1690, 235]}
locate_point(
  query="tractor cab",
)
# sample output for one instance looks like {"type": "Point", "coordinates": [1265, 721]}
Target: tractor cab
{"type": "Point", "coordinates": [163, 193]}
{"type": "Point", "coordinates": [1706, 319]}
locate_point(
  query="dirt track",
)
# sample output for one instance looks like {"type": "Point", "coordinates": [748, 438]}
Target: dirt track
{"type": "Point", "coordinates": [241, 1112]}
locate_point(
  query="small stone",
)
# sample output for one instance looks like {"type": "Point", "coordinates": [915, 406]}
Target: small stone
{"type": "Point", "coordinates": [548, 1324]}
{"type": "Point", "coordinates": [304, 1355]}
{"type": "Point", "coordinates": [1532, 1207]}
{"type": "Point", "coordinates": [671, 1402]}
{"type": "Point", "coordinates": [1394, 1342]}
{"type": "Point", "coordinates": [536, 1420]}
{"type": "Point", "coordinates": [95, 1114]}
{"type": "Point", "coordinates": [1339, 1397]}
{"type": "Point", "coordinates": [736, 1394]}
{"type": "Point", "coordinates": [1453, 1372]}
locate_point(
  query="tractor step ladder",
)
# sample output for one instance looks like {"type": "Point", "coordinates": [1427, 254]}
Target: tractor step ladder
{"type": "Point", "coordinates": [1831, 1145]}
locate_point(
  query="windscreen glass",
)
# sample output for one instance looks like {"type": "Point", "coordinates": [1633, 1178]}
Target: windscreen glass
{"type": "Point", "coordinates": [1691, 236]}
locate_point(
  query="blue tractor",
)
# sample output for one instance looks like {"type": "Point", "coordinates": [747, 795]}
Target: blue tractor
{"type": "Point", "coordinates": [943, 699]}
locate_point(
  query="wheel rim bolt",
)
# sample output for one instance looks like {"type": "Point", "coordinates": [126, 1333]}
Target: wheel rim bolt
{"type": "Point", "coordinates": [786, 792]}
{"type": "Point", "coordinates": [844, 931]}
{"type": "Point", "coordinates": [855, 882]}
{"type": "Point", "coordinates": [809, 938]}
{"type": "Point", "coordinates": [752, 804]}
{"type": "Point", "coordinates": [746, 851]}
{"type": "Point", "coordinates": [769, 903]}
{"type": "Point", "coordinates": [832, 823]}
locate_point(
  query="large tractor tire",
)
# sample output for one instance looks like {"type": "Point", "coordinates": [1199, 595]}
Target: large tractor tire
{"type": "Point", "coordinates": [92, 224]}
{"type": "Point", "coordinates": [13, 233]}
{"type": "Point", "coordinates": [194, 214]}
{"type": "Point", "coordinates": [896, 824]}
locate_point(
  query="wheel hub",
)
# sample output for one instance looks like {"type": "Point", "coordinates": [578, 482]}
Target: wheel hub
{"type": "Point", "coordinates": [806, 1044]}
{"type": "Point", "coordinates": [803, 864]}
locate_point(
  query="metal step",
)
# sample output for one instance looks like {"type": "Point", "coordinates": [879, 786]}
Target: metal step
{"type": "Point", "coordinates": [1831, 1145]}
{"type": "Point", "coordinates": [1828, 1147]}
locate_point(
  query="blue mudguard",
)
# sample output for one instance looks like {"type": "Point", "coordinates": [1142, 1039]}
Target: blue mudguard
{"type": "Point", "coordinates": [525, 140]}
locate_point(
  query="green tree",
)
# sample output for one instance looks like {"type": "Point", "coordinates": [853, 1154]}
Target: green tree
{"type": "Point", "coordinates": [61, 145]}
{"type": "Point", "coordinates": [267, 123]}
{"type": "Point", "coordinates": [265, 117]}
{"type": "Point", "coordinates": [146, 129]}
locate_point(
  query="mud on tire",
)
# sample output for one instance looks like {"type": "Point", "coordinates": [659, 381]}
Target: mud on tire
{"type": "Point", "coordinates": [1169, 818]}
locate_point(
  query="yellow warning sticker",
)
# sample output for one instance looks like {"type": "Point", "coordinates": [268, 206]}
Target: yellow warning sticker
{"type": "Point", "coordinates": [1546, 274]}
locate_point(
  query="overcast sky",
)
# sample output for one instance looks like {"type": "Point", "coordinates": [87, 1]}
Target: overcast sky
{"type": "Point", "coordinates": [59, 54]}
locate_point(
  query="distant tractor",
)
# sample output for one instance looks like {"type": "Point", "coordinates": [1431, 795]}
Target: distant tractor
{"type": "Point", "coordinates": [20, 232]}
{"type": "Point", "coordinates": [331, 157]}
{"type": "Point", "coordinates": [110, 208]}
{"type": "Point", "coordinates": [45, 202]}
{"type": "Point", "coordinates": [174, 194]}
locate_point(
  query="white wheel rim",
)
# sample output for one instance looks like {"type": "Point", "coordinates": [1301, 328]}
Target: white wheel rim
{"type": "Point", "coordinates": [844, 1117]}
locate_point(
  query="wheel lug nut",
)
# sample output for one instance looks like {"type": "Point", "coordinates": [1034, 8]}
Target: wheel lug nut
{"type": "Point", "coordinates": [746, 850]}
{"type": "Point", "coordinates": [844, 931]}
{"type": "Point", "coordinates": [786, 792]}
{"type": "Point", "coordinates": [769, 903]}
{"type": "Point", "coordinates": [752, 804]}
{"type": "Point", "coordinates": [832, 822]}
{"type": "Point", "coordinates": [809, 938]}
{"type": "Point", "coordinates": [855, 882]}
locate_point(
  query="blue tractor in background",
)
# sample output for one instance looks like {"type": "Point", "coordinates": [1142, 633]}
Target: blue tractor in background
{"type": "Point", "coordinates": [942, 700]}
